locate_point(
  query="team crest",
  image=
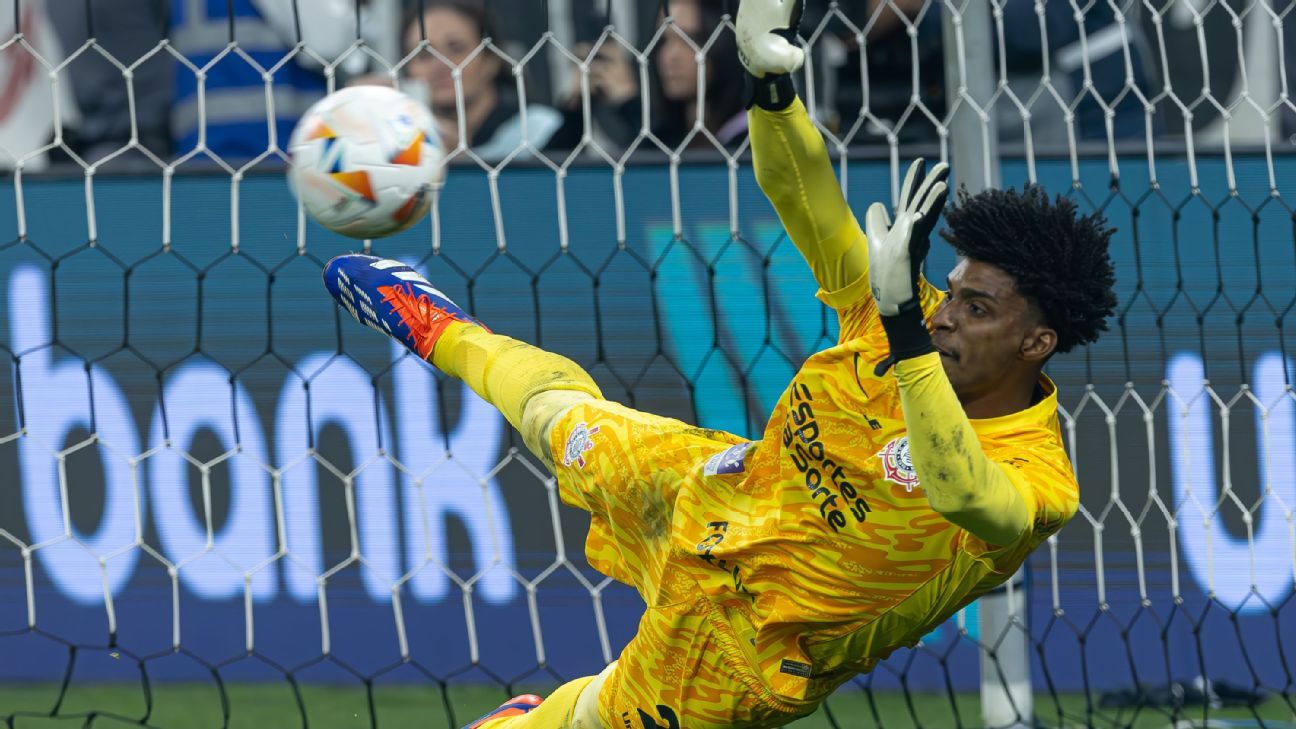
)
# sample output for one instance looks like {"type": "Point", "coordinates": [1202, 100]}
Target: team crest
{"type": "Point", "coordinates": [580, 442]}
{"type": "Point", "coordinates": [897, 467]}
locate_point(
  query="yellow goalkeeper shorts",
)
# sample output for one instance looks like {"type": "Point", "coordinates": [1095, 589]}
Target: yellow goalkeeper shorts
{"type": "Point", "coordinates": [684, 667]}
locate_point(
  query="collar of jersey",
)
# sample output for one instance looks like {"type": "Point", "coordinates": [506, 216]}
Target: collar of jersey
{"type": "Point", "coordinates": [1037, 415]}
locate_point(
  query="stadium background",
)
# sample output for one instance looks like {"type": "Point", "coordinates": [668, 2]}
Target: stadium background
{"type": "Point", "coordinates": [703, 326]}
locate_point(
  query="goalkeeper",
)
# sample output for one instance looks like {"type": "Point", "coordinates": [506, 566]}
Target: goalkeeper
{"type": "Point", "coordinates": [904, 472]}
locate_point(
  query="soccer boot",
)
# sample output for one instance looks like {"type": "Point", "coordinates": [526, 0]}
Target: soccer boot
{"type": "Point", "coordinates": [394, 299]}
{"type": "Point", "coordinates": [516, 706]}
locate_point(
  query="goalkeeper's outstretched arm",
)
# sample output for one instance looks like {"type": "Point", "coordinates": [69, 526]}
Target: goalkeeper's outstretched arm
{"type": "Point", "coordinates": [959, 479]}
{"type": "Point", "coordinates": [788, 153]}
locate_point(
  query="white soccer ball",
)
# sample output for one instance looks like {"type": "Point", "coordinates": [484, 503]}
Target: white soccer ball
{"type": "Point", "coordinates": [365, 161]}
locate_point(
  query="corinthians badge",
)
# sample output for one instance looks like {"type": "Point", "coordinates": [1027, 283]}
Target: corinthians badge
{"type": "Point", "coordinates": [896, 464]}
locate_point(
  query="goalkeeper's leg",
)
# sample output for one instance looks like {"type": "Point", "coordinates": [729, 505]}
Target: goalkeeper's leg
{"type": "Point", "coordinates": [532, 388]}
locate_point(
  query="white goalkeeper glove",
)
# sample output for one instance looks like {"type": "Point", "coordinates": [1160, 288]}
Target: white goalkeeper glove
{"type": "Point", "coordinates": [896, 253]}
{"type": "Point", "coordinates": [766, 34]}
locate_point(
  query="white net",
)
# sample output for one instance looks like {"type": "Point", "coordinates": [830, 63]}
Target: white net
{"type": "Point", "coordinates": [226, 506]}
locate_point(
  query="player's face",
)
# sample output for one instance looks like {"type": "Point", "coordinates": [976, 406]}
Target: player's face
{"type": "Point", "coordinates": [676, 61]}
{"type": "Point", "coordinates": [989, 336]}
{"type": "Point", "coordinates": [455, 36]}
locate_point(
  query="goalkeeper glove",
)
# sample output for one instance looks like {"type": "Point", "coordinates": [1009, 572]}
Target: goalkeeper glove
{"type": "Point", "coordinates": [896, 254]}
{"type": "Point", "coordinates": [766, 31]}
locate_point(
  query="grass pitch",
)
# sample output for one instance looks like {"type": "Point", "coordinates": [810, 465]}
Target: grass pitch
{"type": "Point", "coordinates": [316, 706]}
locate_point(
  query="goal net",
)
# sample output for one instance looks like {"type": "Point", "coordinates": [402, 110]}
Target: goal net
{"type": "Point", "coordinates": [224, 505]}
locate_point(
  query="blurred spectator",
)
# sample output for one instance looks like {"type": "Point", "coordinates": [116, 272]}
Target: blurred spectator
{"type": "Point", "coordinates": [517, 26]}
{"type": "Point", "coordinates": [492, 116]}
{"type": "Point", "coordinates": [676, 105]}
{"type": "Point", "coordinates": [894, 62]}
{"type": "Point", "coordinates": [127, 30]}
{"type": "Point", "coordinates": [236, 114]}
{"type": "Point", "coordinates": [1103, 49]}
{"type": "Point", "coordinates": [617, 105]}
{"type": "Point", "coordinates": [615, 108]}
{"type": "Point", "coordinates": [890, 55]}
{"type": "Point", "coordinates": [27, 102]}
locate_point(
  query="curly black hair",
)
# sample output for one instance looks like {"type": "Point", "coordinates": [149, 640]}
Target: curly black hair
{"type": "Point", "coordinates": [1057, 259]}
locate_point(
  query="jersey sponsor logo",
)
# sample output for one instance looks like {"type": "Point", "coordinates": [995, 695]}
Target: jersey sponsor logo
{"type": "Point", "coordinates": [580, 442]}
{"type": "Point", "coordinates": [730, 460]}
{"type": "Point", "coordinates": [715, 535]}
{"type": "Point", "coordinates": [897, 466]}
{"type": "Point", "coordinates": [801, 441]}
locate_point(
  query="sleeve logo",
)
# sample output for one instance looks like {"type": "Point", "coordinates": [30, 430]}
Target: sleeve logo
{"type": "Point", "coordinates": [730, 460]}
{"type": "Point", "coordinates": [580, 442]}
{"type": "Point", "coordinates": [897, 467]}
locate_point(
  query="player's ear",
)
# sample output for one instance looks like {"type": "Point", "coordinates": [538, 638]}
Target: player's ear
{"type": "Point", "coordinates": [1039, 342]}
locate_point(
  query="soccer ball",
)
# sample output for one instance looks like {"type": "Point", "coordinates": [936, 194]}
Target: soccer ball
{"type": "Point", "coordinates": [365, 160]}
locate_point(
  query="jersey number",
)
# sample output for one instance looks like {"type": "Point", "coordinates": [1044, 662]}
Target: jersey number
{"type": "Point", "coordinates": [667, 715]}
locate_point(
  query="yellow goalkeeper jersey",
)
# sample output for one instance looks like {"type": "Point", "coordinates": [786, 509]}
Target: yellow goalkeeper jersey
{"type": "Point", "coordinates": [830, 557]}
{"type": "Point", "coordinates": [776, 569]}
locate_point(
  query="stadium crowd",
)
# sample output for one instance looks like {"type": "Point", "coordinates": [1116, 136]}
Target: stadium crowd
{"type": "Point", "coordinates": [490, 97]}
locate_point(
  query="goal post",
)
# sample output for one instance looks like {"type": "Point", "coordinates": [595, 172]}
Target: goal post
{"type": "Point", "coordinates": [968, 29]}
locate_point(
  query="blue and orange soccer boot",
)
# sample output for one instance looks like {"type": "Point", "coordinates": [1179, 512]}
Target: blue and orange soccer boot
{"type": "Point", "coordinates": [390, 297]}
{"type": "Point", "coordinates": [516, 706]}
